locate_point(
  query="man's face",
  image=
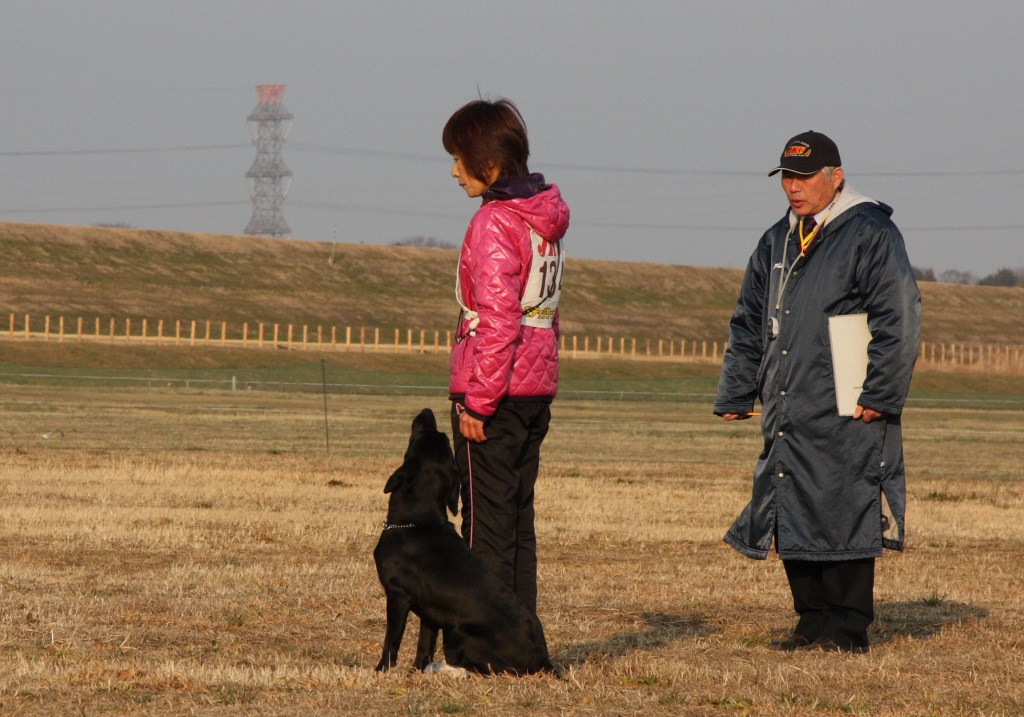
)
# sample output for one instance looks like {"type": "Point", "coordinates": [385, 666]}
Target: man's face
{"type": "Point", "coordinates": [808, 194]}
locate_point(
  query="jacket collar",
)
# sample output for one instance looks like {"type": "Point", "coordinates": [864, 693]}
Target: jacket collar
{"type": "Point", "coordinates": [847, 199]}
{"type": "Point", "coordinates": [516, 187]}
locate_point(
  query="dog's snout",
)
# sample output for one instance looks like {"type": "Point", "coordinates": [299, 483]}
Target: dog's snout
{"type": "Point", "coordinates": [426, 419]}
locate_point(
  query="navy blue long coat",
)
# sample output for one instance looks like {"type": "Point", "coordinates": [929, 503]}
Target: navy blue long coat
{"type": "Point", "coordinates": [826, 487]}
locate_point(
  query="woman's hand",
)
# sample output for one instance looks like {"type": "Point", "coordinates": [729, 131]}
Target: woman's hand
{"type": "Point", "coordinates": [472, 429]}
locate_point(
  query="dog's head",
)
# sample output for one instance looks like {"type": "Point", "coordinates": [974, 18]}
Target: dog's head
{"type": "Point", "coordinates": [427, 482]}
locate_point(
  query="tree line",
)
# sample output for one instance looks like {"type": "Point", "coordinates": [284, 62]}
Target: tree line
{"type": "Point", "coordinates": [1000, 277]}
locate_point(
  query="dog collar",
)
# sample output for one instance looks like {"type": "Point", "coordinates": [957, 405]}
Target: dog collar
{"type": "Point", "coordinates": [392, 526]}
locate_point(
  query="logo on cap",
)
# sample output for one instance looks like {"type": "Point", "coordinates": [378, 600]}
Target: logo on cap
{"type": "Point", "coordinates": [797, 150]}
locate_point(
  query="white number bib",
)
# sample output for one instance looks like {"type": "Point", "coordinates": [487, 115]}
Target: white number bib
{"type": "Point", "coordinates": [544, 285]}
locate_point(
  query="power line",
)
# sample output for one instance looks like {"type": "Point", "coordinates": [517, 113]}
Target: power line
{"type": "Point", "coordinates": [414, 157]}
{"type": "Point", "coordinates": [439, 158]}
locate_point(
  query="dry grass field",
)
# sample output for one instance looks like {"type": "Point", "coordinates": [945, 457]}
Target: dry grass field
{"type": "Point", "coordinates": [189, 551]}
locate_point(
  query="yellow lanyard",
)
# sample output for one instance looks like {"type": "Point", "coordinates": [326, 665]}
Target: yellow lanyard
{"type": "Point", "coordinates": [805, 242]}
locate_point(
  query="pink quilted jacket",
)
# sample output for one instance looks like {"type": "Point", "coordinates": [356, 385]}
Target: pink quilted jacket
{"type": "Point", "coordinates": [497, 353]}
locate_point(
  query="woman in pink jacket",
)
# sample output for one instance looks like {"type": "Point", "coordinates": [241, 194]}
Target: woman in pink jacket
{"type": "Point", "coordinates": [504, 363]}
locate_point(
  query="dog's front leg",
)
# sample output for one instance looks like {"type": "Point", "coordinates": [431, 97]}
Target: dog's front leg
{"type": "Point", "coordinates": [426, 645]}
{"type": "Point", "coordinates": [398, 613]}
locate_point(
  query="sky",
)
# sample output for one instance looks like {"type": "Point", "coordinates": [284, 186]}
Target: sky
{"type": "Point", "coordinates": [659, 121]}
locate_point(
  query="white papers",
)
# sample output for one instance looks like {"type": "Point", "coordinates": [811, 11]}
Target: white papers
{"type": "Point", "coordinates": [849, 336]}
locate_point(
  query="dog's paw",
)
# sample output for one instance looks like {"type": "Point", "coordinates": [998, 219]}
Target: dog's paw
{"type": "Point", "coordinates": [443, 668]}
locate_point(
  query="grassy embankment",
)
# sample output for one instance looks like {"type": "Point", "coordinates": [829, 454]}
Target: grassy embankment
{"type": "Point", "coordinates": [122, 273]}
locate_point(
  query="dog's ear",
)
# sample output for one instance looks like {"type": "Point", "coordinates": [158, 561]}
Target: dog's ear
{"type": "Point", "coordinates": [407, 471]}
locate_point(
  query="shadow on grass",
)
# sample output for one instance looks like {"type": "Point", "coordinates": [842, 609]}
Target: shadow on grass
{"type": "Point", "coordinates": [920, 619]}
{"type": "Point", "coordinates": [662, 629]}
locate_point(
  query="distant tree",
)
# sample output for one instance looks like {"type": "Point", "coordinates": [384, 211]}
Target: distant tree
{"type": "Point", "coordinates": [924, 274]}
{"type": "Point", "coordinates": [429, 242]}
{"type": "Point", "coordinates": [1002, 277]}
{"type": "Point", "coordinates": [954, 276]}
{"type": "Point", "coordinates": [114, 225]}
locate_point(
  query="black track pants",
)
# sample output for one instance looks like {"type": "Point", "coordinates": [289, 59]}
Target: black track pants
{"type": "Point", "coordinates": [498, 478]}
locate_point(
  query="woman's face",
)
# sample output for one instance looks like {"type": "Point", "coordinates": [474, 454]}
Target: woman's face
{"type": "Point", "coordinates": [474, 187]}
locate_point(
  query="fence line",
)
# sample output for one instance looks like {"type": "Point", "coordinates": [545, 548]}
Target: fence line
{"type": "Point", "coordinates": [954, 356]}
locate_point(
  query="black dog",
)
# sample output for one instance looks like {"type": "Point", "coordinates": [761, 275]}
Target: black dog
{"type": "Point", "coordinates": [426, 568]}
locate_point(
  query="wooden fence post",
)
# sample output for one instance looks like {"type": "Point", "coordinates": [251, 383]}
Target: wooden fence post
{"type": "Point", "coordinates": [954, 356]}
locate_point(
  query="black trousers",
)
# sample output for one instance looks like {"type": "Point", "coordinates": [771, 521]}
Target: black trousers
{"type": "Point", "coordinates": [498, 479]}
{"type": "Point", "coordinates": [834, 599]}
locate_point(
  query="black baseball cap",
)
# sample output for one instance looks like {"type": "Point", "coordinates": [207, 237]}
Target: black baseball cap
{"type": "Point", "coordinates": [808, 153]}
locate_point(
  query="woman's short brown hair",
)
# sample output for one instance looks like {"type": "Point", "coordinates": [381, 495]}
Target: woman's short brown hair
{"type": "Point", "coordinates": [488, 134]}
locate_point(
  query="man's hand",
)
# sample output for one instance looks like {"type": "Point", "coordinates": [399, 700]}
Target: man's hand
{"type": "Point", "coordinates": [866, 414]}
{"type": "Point", "coordinates": [736, 416]}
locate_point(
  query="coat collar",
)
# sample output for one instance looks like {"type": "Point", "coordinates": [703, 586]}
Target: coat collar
{"type": "Point", "coordinates": [847, 199]}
